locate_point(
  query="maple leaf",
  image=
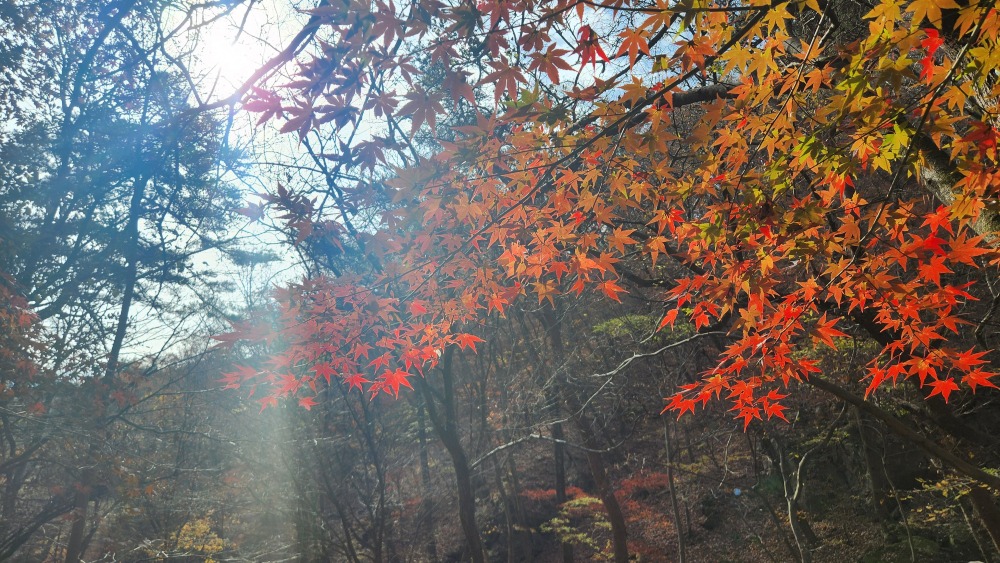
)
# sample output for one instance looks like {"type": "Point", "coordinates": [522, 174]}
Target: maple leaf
{"type": "Point", "coordinates": [772, 409]}
{"type": "Point", "coordinates": [391, 381]}
{"type": "Point", "coordinates": [307, 403]}
{"type": "Point", "coordinates": [467, 341]}
{"type": "Point", "coordinates": [620, 238]}
{"type": "Point", "coordinates": [923, 368]}
{"type": "Point", "coordinates": [965, 250]}
{"type": "Point", "coordinates": [269, 401]}
{"type": "Point", "coordinates": [656, 246]}
{"type": "Point", "coordinates": [612, 290]}
{"type": "Point", "coordinates": [550, 62]}
{"type": "Point", "coordinates": [227, 339]}
{"type": "Point", "coordinates": [943, 387]}
{"type": "Point", "coordinates": [361, 350]}
{"type": "Point", "coordinates": [967, 360]}
{"type": "Point", "coordinates": [589, 48]}
{"type": "Point", "coordinates": [679, 402]}
{"type": "Point", "coordinates": [633, 43]}
{"type": "Point", "coordinates": [267, 103]}
{"type": "Point", "coordinates": [289, 384]}
{"type": "Point", "coordinates": [235, 379]}
{"type": "Point", "coordinates": [422, 106]}
{"type": "Point", "coordinates": [668, 319]}
{"type": "Point", "coordinates": [748, 414]}
{"type": "Point", "coordinates": [978, 377]}
{"type": "Point", "coordinates": [930, 10]}
{"type": "Point", "coordinates": [496, 302]}
{"type": "Point", "coordinates": [254, 211]}
{"type": "Point", "coordinates": [380, 362]}
{"type": "Point", "coordinates": [505, 80]}
{"type": "Point", "coordinates": [693, 52]}
{"type": "Point", "coordinates": [558, 269]}
{"type": "Point", "coordinates": [825, 333]}
{"type": "Point", "coordinates": [418, 307]}
{"type": "Point", "coordinates": [455, 81]}
{"type": "Point", "coordinates": [355, 380]}
{"type": "Point", "coordinates": [940, 218]}
{"type": "Point", "coordinates": [931, 43]}
{"type": "Point", "coordinates": [324, 370]}
{"type": "Point", "coordinates": [931, 270]}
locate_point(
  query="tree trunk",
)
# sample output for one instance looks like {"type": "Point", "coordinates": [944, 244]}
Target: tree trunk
{"type": "Point", "coordinates": [521, 535]}
{"type": "Point", "coordinates": [559, 455]}
{"type": "Point", "coordinates": [668, 449]}
{"type": "Point", "coordinates": [75, 546]}
{"type": "Point", "coordinates": [902, 430]}
{"type": "Point", "coordinates": [619, 530]}
{"type": "Point", "coordinates": [445, 424]}
{"type": "Point", "coordinates": [81, 501]}
{"type": "Point", "coordinates": [466, 501]}
{"type": "Point", "coordinates": [427, 504]}
{"type": "Point", "coordinates": [877, 480]}
{"type": "Point", "coordinates": [986, 509]}
{"type": "Point", "coordinates": [552, 410]}
{"type": "Point", "coordinates": [791, 480]}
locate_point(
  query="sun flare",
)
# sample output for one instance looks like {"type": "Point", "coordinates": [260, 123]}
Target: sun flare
{"type": "Point", "coordinates": [227, 61]}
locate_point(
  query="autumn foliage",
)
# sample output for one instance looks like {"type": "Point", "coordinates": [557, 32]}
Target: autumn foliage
{"type": "Point", "coordinates": [785, 172]}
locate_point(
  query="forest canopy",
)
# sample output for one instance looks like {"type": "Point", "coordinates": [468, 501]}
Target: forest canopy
{"type": "Point", "coordinates": [536, 229]}
{"type": "Point", "coordinates": [779, 169]}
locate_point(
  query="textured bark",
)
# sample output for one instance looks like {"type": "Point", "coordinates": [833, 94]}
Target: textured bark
{"type": "Point", "coordinates": [76, 546]}
{"type": "Point", "coordinates": [989, 514]}
{"type": "Point", "coordinates": [427, 505]}
{"type": "Point", "coordinates": [595, 461]}
{"type": "Point", "coordinates": [619, 531]}
{"type": "Point", "coordinates": [897, 427]}
{"type": "Point", "coordinates": [559, 453]}
{"type": "Point", "coordinates": [444, 422]}
{"type": "Point", "coordinates": [668, 449]}
{"type": "Point", "coordinates": [877, 481]}
{"type": "Point", "coordinates": [939, 177]}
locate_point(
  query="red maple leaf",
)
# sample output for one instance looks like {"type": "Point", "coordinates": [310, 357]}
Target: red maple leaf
{"type": "Point", "coordinates": [417, 308]}
{"type": "Point", "coordinates": [931, 44]}
{"type": "Point", "coordinates": [931, 271]}
{"type": "Point", "coordinates": [612, 290]}
{"type": "Point", "coordinates": [943, 387]}
{"type": "Point", "coordinates": [390, 382]}
{"type": "Point", "coordinates": [748, 414]}
{"type": "Point", "coordinates": [669, 319]}
{"type": "Point", "coordinates": [355, 380]}
{"type": "Point", "coordinates": [825, 333]}
{"type": "Point", "coordinates": [979, 377]}
{"type": "Point", "coordinates": [467, 341]}
{"type": "Point", "coordinates": [940, 218]}
{"type": "Point", "coordinates": [967, 360]}
{"type": "Point", "coordinates": [773, 409]}
{"type": "Point", "coordinates": [422, 106]}
{"type": "Point", "coordinates": [324, 370]}
{"type": "Point", "coordinates": [380, 362]}
{"type": "Point", "coordinates": [269, 401]}
{"type": "Point", "coordinates": [589, 48]}
{"type": "Point", "coordinates": [680, 403]}
{"type": "Point", "coordinates": [965, 249]}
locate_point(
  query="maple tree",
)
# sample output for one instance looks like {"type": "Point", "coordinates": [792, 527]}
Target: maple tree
{"type": "Point", "coordinates": [794, 174]}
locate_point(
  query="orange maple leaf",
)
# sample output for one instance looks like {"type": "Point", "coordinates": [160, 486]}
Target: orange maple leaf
{"type": "Point", "coordinates": [943, 387]}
